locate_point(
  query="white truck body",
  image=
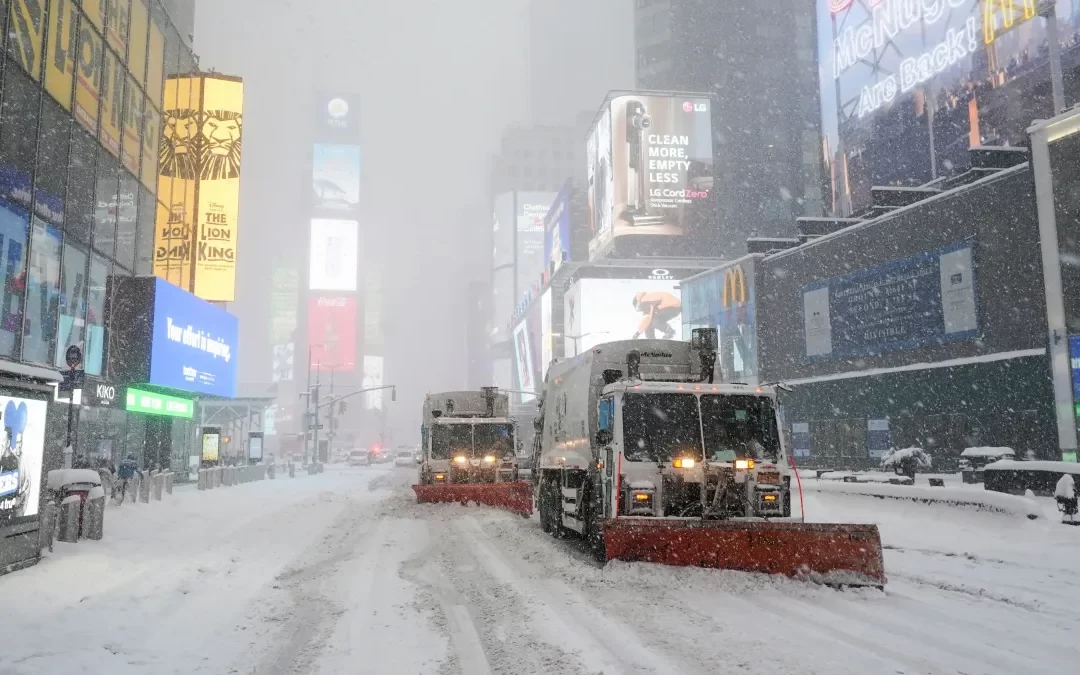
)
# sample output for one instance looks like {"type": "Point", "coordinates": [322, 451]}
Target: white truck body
{"type": "Point", "coordinates": [465, 416]}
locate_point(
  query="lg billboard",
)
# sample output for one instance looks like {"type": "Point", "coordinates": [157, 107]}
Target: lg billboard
{"type": "Point", "coordinates": [605, 310]}
{"type": "Point", "coordinates": [650, 172]}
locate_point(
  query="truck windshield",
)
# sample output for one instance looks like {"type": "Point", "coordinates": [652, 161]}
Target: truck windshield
{"type": "Point", "coordinates": [448, 440]}
{"type": "Point", "coordinates": [660, 427]}
{"type": "Point", "coordinates": [739, 427]}
{"type": "Point", "coordinates": [493, 439]}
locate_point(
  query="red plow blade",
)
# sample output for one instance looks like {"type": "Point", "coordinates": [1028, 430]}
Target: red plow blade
{"type": "Point", "coordinates": [837, 555]}
{"type": "Point", "coordinates": [515, 497]}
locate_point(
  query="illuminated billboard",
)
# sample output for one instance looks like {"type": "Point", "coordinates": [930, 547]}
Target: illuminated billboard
{"type": "Point", "coordinates": [21, 455]}
{"type": "Point", "coordinates": [650, 169]}
{"type": "Point", "coordinates": [337, 117]}
{"type": "Point", "coordinates": [335, 177]}
{"type": "Point", "coordinates": [529, 216]}
{"type": "Point", "coordinates": [606, 310]}
{"type": "Point", "coordinates": [332, 333]}
{"type": "Point", "coordinates": [526, 345]}
{"type": "Point", "coordinates": [373, 377]}
{"type": "Point", "coordinates": [60, 59]}
{"type": "Point", "coordinates": [333, 262]}
{"type": "Point", "coordinates": [726, 299]}
{"type": "Point", "coordinates": [557, 231]}
{"type": "Point", "coordinates": [546, 338]}
{"type": "Point", "coordinates": [284, 294]}
{"type": "Point", "coordinates": [26, 33]}
{"type": "Point", "coordinates": [908, 87]}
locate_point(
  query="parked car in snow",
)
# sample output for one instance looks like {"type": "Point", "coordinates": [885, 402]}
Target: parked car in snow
{"type": "Point", "coordinates": [405, 457]}
{"type": "Point", "coordinates": [359, 457]}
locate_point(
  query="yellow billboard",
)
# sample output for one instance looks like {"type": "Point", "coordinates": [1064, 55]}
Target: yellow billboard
{"type": "Point", "coordinates": [117, 13]}
{"type": "Point", "coordinates": [137, 39]}
{"type": "Point", "coordinates": [60, 55]}
{"type": "Point", "coordinates": [25, 34]}
{"type": "Point", "coordinates": [112, 99]}
{"type": "Point", "coordinates": [178, 171]}
{"type": "Point", "coordinates": [130, 149]}
{"type": "Point", "coordinates": [156, 70]}
{"type": "Point", "coordinates": [94, 9]}
{"type": "Point", "coordinates": [151, 141]}
{"type": "Point", "coordinates": [220, 140]}
{"type": "Point", "coordinates": [88, 77]}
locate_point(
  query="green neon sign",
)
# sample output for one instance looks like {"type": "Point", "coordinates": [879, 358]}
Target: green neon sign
{"type": "Point", "coordinates": [153, 403]}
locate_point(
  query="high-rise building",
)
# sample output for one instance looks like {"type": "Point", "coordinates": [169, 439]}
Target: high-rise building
{"type": "Point", "coordinates": [540, 158]}
{"type": "Point", "coordinates": [578, 51]}
{"type": "Point", "coordinates": [758, 61]}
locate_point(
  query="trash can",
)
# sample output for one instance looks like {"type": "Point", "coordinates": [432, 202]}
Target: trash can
{"type": "Point", "coordinates": [70, 518]}
{"type": "Point", "coordinates": [71, 489]}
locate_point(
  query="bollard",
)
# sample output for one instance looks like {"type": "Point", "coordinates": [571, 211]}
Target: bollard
{"type": "Point", "coordinates": [47, 527]}
{"type": "Point", "coordinates": [268, 471]}
{"type": "Point", "coordinates": [157, 487]}
{"type": "Point", "coordinates": [292, 470]}
{"type": "Point", "coordinates": [70, 510]}
{"type": "Point", "coordinates": [144, 487]}
{"type": "Point", "coordinates": [262, 471]}
{"type": "Point", "coordinates": [134, 485]}
{"type": "Point", "coordinates": [202, 479]}
{"type": "Point", "coordinates": [217, 476]}
{"type": "Point", "coordinates": [168, 482]}
{"type": "Point", "coordinates": [93, 514]}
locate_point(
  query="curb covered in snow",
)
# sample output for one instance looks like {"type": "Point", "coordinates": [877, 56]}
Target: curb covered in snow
{"type": "Point", "coordinates": [953, 496]}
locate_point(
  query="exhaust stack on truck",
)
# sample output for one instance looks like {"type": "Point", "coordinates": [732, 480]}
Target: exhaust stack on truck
{"type": "Point", "coordinates": [647, 458]}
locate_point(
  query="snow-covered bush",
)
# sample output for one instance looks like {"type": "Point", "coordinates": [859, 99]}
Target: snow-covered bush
{"type": "Point", "coordinates": [893, 458]}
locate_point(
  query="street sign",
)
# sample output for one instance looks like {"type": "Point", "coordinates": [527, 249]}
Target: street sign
{"type": "Point", "coordinates": [73, 379]}
{"type": "Point", "coordinates": [315, 426]}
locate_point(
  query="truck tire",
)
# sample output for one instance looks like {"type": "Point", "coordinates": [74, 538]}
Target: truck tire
{"type": "Point", "coordinates": [553, 500]}
{"type": "Point", "coordinates": [543, 505]}
{"type": "Point", "coordinates": [594, 518]}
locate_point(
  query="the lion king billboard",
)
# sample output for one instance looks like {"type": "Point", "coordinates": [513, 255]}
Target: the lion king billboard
{"type": "Point", "coordinates": [199, 179]}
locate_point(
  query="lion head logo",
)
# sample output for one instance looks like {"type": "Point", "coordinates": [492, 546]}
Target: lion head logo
{"type": "Point", "coordinates": [220, 134]}
{"type": "Point", "coordinates": [178, 157]}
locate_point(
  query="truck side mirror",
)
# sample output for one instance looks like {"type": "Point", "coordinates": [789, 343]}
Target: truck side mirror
{"type": "Point", "coordinates": [603, 437]}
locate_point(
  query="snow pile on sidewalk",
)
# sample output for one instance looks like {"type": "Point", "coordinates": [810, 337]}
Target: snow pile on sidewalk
{"type": "Point", "coordinates": [956, 496]}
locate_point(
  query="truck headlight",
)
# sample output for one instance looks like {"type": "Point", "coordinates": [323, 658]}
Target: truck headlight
{"type": "Point", "coordinates": [489, 459]}
{"type": "Point", "coordinates": [684, 463]}
{"type": "Point", "coordinates": [460, 459]}
{"type": "Point", "coordinates": [745, 464]}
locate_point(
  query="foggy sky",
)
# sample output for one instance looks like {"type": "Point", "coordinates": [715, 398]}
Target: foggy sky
{"type": "Point", "coordinates": [437, 82]}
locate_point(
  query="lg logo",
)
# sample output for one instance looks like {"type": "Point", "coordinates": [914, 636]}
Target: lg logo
{"type": "Point", "coordinates": [690, 106]}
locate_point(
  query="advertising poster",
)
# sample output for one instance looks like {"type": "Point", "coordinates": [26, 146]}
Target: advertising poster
{"type": "Point", "coordinates": [571, 320]}
{"type": "Point", "coordinates": [545, 334]}
{"type": "Point", "coordinates": [284, 296]}
{"type": "Point", "coordinates": [373, 377]}
{"type": "Point", "coordinates": [26, 34]}
{"type": "Point", "coordinates": [284, 362]}
{"type": "Point", "coordinates": [624, 309]}
{"type": "Point", "coordinates": [801, 440]}
{"type": "Point", "coordinates": [335, 177]}
{"type": "Point", "coordinates": [333, 264]}
{"type": "Point", "coordinates": [922, 300]}
{"type": "Point", "coordinates": [219, 140]}
{"type": "Point", "coordinates": [337, 117]}
{"type": "Point", "coordinates": [557, 231]}
{"type": "Point", "coordinates": [117, 13]}
{"type": "Point", "coordinates": [255, 445]}
{"type": "Point", "coordinates": [531, 209]}
{"type": "Point", "coordinates": [211, 443]}
{"type": "Point", "coordinates": [21, 448]}
{"type": "Point", "coordinates": [726, 300]}
{"type": "Point", "coordinates": [193, 345]}
{"type": "Point", "coordinates": [60, 55]}
{"type": "Point", "coordinates": [137, 36]}
{"type": "Point", "coordinates": [907, 87]}
{"type": "Point", "coordinates": [332, 333]}
{"type": "Point", "coordinates": [656, 175]}
{"type": "Point", "coordinates": [112, 99]}
{"type": "Point", "coordinates": [178, 170]}
{"type": "Point", "coordinates": [523, 361]}
{"type": "Point", "coordinates": [151, 143]}
{"type": "Point", "coordinates": [88, 76]}
{"type": "Point", "coordinates": [133, 119]}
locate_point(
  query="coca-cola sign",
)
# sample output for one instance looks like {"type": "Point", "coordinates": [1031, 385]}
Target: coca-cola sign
{"type": "Point", "coordinates": [332, 302]}
{"type": "Point", "coordinates": [332, 322]}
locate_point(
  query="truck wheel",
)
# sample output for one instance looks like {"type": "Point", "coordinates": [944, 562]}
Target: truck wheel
{"type": "Point", "coordinates": [554, 505]}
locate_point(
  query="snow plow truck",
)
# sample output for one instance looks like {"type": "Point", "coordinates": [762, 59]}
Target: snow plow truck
{"type": "Point", "coordinates": [646, 458]}
{"type": "Point", "coordinates": [469, 452]}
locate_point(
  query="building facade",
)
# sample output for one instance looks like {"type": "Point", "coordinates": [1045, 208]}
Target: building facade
{"type": "Point", "coordinates": [758, 62]}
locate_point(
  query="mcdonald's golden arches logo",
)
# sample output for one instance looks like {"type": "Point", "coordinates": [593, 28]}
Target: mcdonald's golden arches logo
{"type": "Point", "coordinates": [734, 290]}
{"type": "Point", "coordinates": [1010, 11]}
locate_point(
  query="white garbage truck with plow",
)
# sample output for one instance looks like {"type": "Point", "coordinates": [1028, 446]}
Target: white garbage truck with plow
{"type": "Point", "coordinates": [646, 458]}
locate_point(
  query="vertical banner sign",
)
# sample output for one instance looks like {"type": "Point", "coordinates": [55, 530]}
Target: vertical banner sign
{"type": "Point", "coordinates": [219, 143]}
{"type": "Point", "coordinates": [178, 168]}
{"type": "Point", "coordinates": [88, 77]}
{"type": "Point", "coordinates": [112, 84]}
{"type": "Point", "coordinates": [117, 13]}
{"type": "Point", "coordinates": [136, 57]}
{"type": "Point", "coordinates": [133, 116]}
{"type": "Point", "coordinates": [60, 55]}
{"type": "Point", "coordinates": [25, 34]}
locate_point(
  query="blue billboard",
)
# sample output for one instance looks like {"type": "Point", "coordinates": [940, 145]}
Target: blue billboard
{"type": "Point", "coordinates": [193, 346]}
{"type": "Point", "coordinates": [926, 299]}
{"type": "Point", "coordinates": [557, 231]}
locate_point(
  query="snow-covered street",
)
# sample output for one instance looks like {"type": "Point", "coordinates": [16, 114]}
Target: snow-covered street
{"type": "Point", "coordinates": [343, 573]}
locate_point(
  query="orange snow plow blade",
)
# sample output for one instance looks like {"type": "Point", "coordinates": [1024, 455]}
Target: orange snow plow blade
{"type": "Point", "coordinates": [516, 496]}
{"type": "Point", "coordinates": [837, 555]}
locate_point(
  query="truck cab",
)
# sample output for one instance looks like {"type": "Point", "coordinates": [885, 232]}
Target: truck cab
{"type": "Point", "coordinates": [468, 437]}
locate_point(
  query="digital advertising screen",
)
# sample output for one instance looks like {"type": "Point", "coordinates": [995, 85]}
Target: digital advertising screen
{"type": "Point", "coordinates": [557, 230]}
{"type": "Point", "coordinates": [545, 334]}
{"type": "Point", "coordinates": [908, 87]}
{"type": "Point", "coordinates": [337, 116]}
{"type": "Point", "coordinates": [21, 448]}
{"type": "Point", "coordinates": [726, 299]}
{"type": "Point", "coordinates": [332, 333]}
{"type": "Point", "coordinates": [650, 169]}
{"type": "Point", "coordinates": [335, 177]}
{"type": "Point", "coordinates": [525, 359]}
{"type": "Point", "coordinates": [333, 262]}
{"type": "Point", "coordinates": [606, 310]}
{"type": "Point", "coordinates": [531, 209]}
{"type": "Point", "coordinates": [194, 343]}
{"type": "Point", "coordinates": [373, 377]}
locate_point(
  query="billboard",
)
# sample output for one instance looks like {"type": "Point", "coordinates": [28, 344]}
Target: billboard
{"type": "Point", "coordinates": [529, 216]}
{"type": "Point", "coordinates": [926, 299]}
{"type": "Point", "coordinates": [650, 168]}
{"type": "Point", "coordinates": [605, 310]}
{"type": "Point", "coordinates": [546, 347]}
{"type": "Point", "coordinates": [284, 296]}
{"type": "Point", "coordinates": [284, 362]}
{"type": "Point", "coordinates": [373, 377]}
{"type": "Point", "coordinates": [60, 59]}
{"type": "Point", "coordinates": [88, 76]}
{"type": "Point", "coordinates": [526, 344]}
{"type": "Point", "coordinates": [193, 345]}
{"type": "Point", "coordinates": [26, 34]}
{"type": "Point", "coordinates": [337, 117]}
{"type": "Point", "coordinates": [178, 172]}
{"type": "Point", "coordinates": [907, 87]}
{"type": "Point", "coordinates": [332, 333]}
{"type": "Point", "coordinates": [333, 261]}
{"type": "Point", "coordinates": [153, 403]}
{"type": "Point", "coordinates": [335, 177]}
{"type": "Point", "coordinates": [21, 448]}
{"type": "Point", "coordinates": [726, 299]}
{"type": "Point", "coordinates": [557, 231]}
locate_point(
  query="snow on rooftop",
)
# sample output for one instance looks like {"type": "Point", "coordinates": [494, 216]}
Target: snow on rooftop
{"type": "Point", "coordinates": [987, 451]}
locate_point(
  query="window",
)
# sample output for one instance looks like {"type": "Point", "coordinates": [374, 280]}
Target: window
{"type": "Point", "coordinates": [105, 196]}
{"type": "Point", "coordinates": [95, 315]}
{"type": "Point", "coordinates": [81, 169]}
{"type": "Point", "coordinates": [660, 427]}
{"type": "Point", "coordinates": [144, 237]}
{"type": "Point", "coordinates": [72, 329]}
{"type": "Point", "coordinates": [42, 293]}
{"type": "Point", "coordinates": [52, 157]}
{"type": "Point", "coordinates": [126, 221]}
{"type": "Point", "coordinates": [14, 223]}
{"type": "Point", "coordinates": [18, 122]}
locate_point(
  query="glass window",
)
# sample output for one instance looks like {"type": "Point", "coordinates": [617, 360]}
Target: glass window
{"type": "Point", "coordinates": [448, 440]}
{"type": "Point", "coordinates": [108, 185]}
{"type": "Point", "coordinates": [52, 158]}
{"type": "Point", "coordinates": [42, 293]}
{"type": "Point", "coordinates": [72, 302]}
{"type": "Point", "coordinates": [144, 237]}
{"type": "Point", "coordinates": [82, 166]}
{"type": "Point", "coordinates": [126, 220]}
{"type": "Point", "coordinates": [660, 427]}
{"type": "Point", "coordinates": [187, 61]}
{"type": "Point", "coordinates": [14, 226]}
{"type": "Point", "coordinates": [740, 427]}
{"type": "Point", "coordinates": [24, 36]}
{"type": "Point", "coordinates": [493, 439]}
{"type": "Point", "coordinates": [95, 315]}
{"type": "Point", "coordinates": [18, 121]}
